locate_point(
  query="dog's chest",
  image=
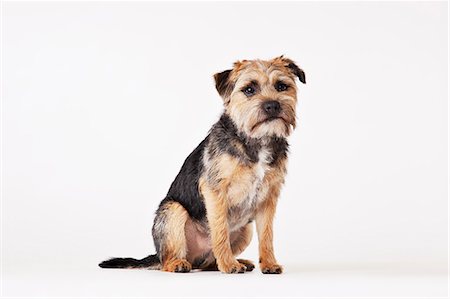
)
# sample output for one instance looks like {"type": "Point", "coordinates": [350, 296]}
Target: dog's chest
{"type": "Point", "coordinates": [247, 190]}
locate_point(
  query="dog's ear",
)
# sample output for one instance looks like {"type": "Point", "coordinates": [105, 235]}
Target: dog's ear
{"type": "Point", "coordinates": [295, 69]}
{"type": "Point", "coordinates": [224, 85]}
{"type": "Point", "coordinates": [298, 72]}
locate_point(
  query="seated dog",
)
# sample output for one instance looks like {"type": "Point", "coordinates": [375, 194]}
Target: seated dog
{"type": "Point", "coordinates": [231, 179]}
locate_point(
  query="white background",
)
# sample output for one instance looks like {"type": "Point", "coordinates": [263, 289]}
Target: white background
{"type": "Point", "coordinates": [102, 102]}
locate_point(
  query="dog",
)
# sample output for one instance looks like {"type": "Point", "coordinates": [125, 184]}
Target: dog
{"type": "Point", "coordinates": [232, 179]}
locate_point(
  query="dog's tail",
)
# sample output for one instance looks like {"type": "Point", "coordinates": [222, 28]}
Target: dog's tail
{"type": "Point", "coordinates": [150, 262]}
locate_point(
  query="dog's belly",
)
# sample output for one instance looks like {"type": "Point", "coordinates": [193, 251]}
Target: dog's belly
{"type": "Point", "coordinates": [198, 241]}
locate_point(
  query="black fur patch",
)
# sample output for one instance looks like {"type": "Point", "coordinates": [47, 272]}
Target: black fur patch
{"type": "Point", "coordinates": [184, 188]}
{"type": "Point", "coordinates": [279, 148]}
{"type": "Point", "coordinates": [225, 136]}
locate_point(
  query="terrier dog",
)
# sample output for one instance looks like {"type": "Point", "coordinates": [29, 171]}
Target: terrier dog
{"type": "Point", "coordinates": [231, 179]}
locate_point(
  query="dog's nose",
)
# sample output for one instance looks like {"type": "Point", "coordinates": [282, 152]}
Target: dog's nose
{"type": "Point", "coordinates": [272, 108]}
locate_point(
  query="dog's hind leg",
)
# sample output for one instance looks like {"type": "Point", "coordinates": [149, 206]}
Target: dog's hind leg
{"type": "Point", "coordinates": [170, 238]}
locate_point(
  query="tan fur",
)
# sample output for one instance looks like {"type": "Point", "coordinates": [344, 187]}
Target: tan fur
{"type": "Point", "coordinates": [264, 227]}
{"type": "Point", "coordinates": [217, 207]}
{"type": "Point", "coordinates": [175, 250]}
{"type": "Point", "coordinates": [247, 114]}
{"type": "Point", "coordinates": [264, 220]}
{"type": "Point", "coordinates": [236, 178]}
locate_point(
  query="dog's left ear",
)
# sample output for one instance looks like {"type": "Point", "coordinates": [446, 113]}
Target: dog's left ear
{"type": "Point", "coordinates": [298, 72]}
{"type": "Point", "coordinates": [295, 69]}
{"type": "Point", "coordinates": [223, 84]}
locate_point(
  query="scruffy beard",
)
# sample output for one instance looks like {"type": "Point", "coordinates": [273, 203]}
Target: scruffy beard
{"type": "Point", "coordinates": [280, 126]}
{"type": "Point", "coordinates": [271, 128]}
{"type": "Point", "coordinates": [251, 119]}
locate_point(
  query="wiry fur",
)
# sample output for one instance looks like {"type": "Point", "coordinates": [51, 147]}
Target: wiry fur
{"type": "Point", "coordinates": [231, 179]}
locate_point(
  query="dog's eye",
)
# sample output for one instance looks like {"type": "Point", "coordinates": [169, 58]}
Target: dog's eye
{"type": "Point", "coordinates": [280, 86]}
{"type": "Point", "coordinates": [249, 91]}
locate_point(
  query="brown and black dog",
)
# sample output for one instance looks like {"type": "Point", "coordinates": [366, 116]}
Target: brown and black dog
{"type": "Point", "coordinates": [231, 179]}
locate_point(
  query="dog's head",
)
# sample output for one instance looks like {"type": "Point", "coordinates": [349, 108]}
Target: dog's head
{"type": "Point", "coordinates": [260, 96]}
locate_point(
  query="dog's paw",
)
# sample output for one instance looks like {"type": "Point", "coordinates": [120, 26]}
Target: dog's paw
{"type": "Point", "coordinates": [248, 264]}
{"type": "Point", "coordinates": [271, 268]}
{"type": "Point", "coordinates": [178, 266]}
{"type": "Point", "coordinates": [232, 267]}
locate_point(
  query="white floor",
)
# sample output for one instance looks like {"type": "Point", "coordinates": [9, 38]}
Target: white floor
{"type": "Point", "coordinates": [307, 280]}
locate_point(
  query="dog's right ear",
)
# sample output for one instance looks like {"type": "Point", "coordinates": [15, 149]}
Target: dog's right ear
{"type": "Point", "coordinates": [224, 85]}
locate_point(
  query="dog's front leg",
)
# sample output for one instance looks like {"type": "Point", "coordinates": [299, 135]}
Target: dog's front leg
{"type": "Point", "coordinates": [264, 226]}
{"type": "Point", "coordinates": [217, 214]}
